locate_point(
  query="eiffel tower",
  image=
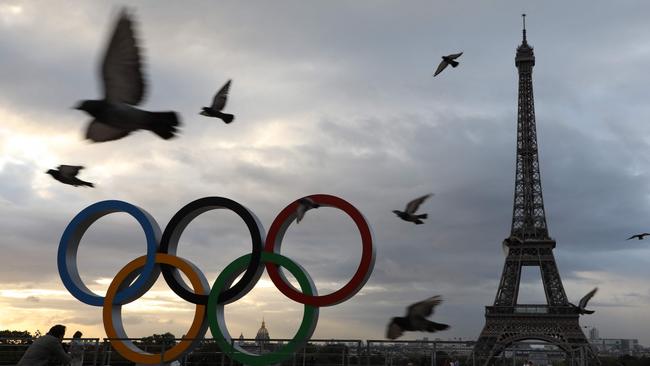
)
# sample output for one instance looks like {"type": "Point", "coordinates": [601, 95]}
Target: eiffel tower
{"type": "Point", "coordinates": [529, 244]}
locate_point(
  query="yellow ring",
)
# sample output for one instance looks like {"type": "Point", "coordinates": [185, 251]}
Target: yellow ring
{"type": "Point", "coordinates": [113, 312]}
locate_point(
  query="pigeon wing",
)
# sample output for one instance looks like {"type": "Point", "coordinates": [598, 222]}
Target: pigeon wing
{"type": "Point", "coordinates": [413, 206]}
{"type": "Point", "coordinates": [100, 132]}
{"type": "Point", "coordinates": [69, 170]}
{"type": "Point", "coordinates": [454, 56]}
{"type": "Point", "coordinates": [505, 247]}
{"type": "Point", "coordinates": [585, 299]}
{"type": "Point", "coordinates": [220, 99]}
{"type": "Point", "coordinates": [632, 237]}
{"type": "Point", "coordinates": [423, 308]}
{"type": "Point", "coordinates": [441, 66]}
{"type": "Point", "coordinates": [300, 212]}
{"type": "Point", "coordinates": [122, 68]}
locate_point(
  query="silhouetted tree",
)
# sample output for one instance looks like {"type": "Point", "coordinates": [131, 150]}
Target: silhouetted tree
{"type": "Point", "coordinates": [159, 339]}
{"type": "Point", "coordinates": [15, 337]}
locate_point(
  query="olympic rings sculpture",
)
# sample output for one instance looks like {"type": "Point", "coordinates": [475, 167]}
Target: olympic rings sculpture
{"type": "Point", "coordinates": [139, 275]}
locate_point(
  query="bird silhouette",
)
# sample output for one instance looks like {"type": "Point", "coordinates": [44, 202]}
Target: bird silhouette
{"type": "Point", "coordinates": [115, 116]}
{"type": "Point", "coordinates": [304, 204]}
{"type": "Point", "coordinates": [511, 240]}
{"type": "Point", "coordinates": [447, 60]}
{"type": "Point", "coordinates": [580, 309]}
{"type": "Point", "coordinates": [409, 212]}
{"type": "Point", "coordinates": [638, 236]}
{"type": "Point", "coordinates": [67, 174]}
{"type": "Point", "coordinates": [218, 103]}
{"type": "Point", "coordinates": [415, 319]}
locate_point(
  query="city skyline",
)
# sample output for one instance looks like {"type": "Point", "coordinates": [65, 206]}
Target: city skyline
{"type": "Point", "coordinates": [334, 98]}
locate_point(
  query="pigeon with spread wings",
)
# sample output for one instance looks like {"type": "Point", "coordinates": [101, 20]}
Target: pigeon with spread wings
{"type": "Point", "coordinates": [115, 116]}
{"type": "Point", "coordinates": [67, 174]}
{"type": "Point", "coordinates": [447, 60]}
{"type": "Point", "coordinates": [409, 212]}
{"type": "Point", "coordinates": [304, 204]}
{"type": "Point", "coordinates": [638, 236]}
{"type": "Point", "coordinates": [218, 103]}
{"type": "Point", "coordinates": [580, 309]}
{"type": "Point", "coordinates": [415, 319]}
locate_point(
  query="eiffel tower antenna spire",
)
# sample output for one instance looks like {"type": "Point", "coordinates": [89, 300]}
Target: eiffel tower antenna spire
{"type": "Point", "coordinates": [523, 18]}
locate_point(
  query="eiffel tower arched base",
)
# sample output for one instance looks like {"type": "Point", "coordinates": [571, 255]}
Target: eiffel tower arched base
{"type": "Point", "coordinates": [558, 326]}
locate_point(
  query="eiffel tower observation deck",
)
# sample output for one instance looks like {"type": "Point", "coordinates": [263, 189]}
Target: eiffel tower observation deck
{"type": "Point", "coordinates": [529, 244]}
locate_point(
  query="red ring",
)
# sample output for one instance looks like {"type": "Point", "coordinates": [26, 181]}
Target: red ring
{"type": "Point", "coordinates": [276, 233]}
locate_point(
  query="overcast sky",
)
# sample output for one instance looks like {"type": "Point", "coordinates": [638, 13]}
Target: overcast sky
{"type": "Point", "coordinates": [332, 97]}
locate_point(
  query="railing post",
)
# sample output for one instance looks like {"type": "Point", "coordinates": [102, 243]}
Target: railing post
{"type": "Point", "coordinates": [108, 355]}
{"type": "Point", "coordinates": [368, 352]}
{"type": "Point", "coordinates": [232, 346]}
{"type": "Point", "coordinates": [96, 351]}
{"type": "Point", "coordinates": [162, 351]}
{"type": "Point", "coordinates": [434, 359]}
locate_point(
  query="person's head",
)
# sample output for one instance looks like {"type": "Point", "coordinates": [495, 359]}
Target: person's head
{"type": "Point", "coordinates": [57, 331]}
{"type": "Point", "coordinates": [77, 334]}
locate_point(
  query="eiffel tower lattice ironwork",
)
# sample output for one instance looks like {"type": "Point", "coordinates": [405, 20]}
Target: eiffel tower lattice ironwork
{"type": "Point", "coordinates": [529, 244]}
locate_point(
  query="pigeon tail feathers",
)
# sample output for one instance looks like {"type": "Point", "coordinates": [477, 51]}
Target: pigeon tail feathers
{"type": "Point", "coordinates": [434, 327]}
{"type": "Point", "coordinates": [226, 117]}
{"type": "Point", "coordinates": [164, 124]}
{"type": "Point", "coordinates": [453, 63]}
{"type": "Point", "coordinates": [422, 216]}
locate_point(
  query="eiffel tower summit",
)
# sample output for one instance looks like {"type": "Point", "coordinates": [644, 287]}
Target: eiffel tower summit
{"type": "Point", "coordinates": [529, 244]}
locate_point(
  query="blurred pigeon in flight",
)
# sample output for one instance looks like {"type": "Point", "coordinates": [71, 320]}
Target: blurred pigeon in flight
{"type": "Point", "coordinates": [115, 116]}
{"type": "Point", "coordinates": [583, 303]}
{"type": "Point", "coordinates": [67, 174]}
{"type": "Point", "coordinates": [447, 60]}
{"type": "Point", "coordinates": [304, 204]}
{"type": "Point", "coordinates": [638, 236]}
{"type": "Point", "coordinates": [512, 240]}
{"type": "Point", "coordinates": [415, 319]}
{"type": "Point", "coordinates": [409, 212]}
{"type": "Point", "coordinates": [218, 103]}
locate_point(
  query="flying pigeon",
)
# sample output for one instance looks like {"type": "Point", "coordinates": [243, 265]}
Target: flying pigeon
{"type": "Point", "coordinates": [218, 103]}
{"type": "Point", "coordinates": [67, 174]}
{"type": "Point", "coordinates": [115, 116]}
{"type": "Point", "coordinates": [583, 303]}
{"type": "Point", "coordinates": [505, 245]}
{"type": "Point", "coordinates": [415, 319]}
{"type": "Point", "coordinates": [638, 236]}
{"type": "Point", "coordinates": [304, 204]}
{"type": "Point", "coordinates": [447, 60]}
{"type": "Point", "coordinates": [411, 207]}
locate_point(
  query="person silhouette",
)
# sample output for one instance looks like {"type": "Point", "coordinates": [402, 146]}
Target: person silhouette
{"type": "Point", "coordinates": [46, 348]}
{"type": "Point", "coordinates": [76, 349]}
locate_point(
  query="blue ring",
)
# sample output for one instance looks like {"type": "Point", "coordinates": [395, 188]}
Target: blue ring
{"type": "Point", "coordinates": [67, 253]}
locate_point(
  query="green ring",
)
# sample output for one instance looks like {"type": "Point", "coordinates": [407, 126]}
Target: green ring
{"type": "Point", "coordinates": [217, 321]}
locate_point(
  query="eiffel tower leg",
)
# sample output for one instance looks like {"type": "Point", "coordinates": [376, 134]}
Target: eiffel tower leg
{"type": "Point", "coordinates": [484, 348]}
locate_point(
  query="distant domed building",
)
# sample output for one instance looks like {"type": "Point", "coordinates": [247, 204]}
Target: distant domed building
{"type": "Point", "coordinates": [262, 334]}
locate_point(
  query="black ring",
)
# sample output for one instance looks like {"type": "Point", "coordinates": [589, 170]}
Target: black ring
{"type": "Point", "coordinates": [178, 223]}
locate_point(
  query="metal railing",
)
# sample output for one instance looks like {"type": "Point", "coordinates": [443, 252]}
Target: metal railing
{"type": "Point", "coordinates": [318, 352]}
